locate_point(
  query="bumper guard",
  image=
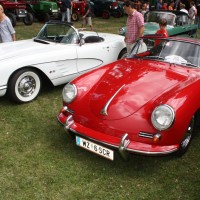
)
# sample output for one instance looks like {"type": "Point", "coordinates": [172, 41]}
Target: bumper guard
{"type": "Point", "coordinates": [123, 146]}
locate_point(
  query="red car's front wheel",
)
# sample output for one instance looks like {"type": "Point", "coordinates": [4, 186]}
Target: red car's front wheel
{"type": "Point", "coordinates": [185, 143]}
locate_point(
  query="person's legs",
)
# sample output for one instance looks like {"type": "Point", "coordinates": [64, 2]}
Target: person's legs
{"type": "Point", "coordinates": [83, 22]}
{"type": "Point", "coordinates": [68, 15]}
{"type": "Point", "coordinates": [63, 17]}
{"type": "Point", "coordinates": [89, 22]}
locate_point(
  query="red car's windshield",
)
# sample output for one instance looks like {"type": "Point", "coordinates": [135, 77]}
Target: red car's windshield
{"type": "Point", "coordinates": [173, 51]}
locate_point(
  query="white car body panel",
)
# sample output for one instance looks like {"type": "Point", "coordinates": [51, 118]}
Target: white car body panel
{"type": "Point", "coordinates": [59, 62]}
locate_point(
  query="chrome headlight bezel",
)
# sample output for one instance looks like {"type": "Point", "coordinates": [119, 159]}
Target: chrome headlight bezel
{"type": "Point", "coordinates": [163, 117]}
{"type": "Point", "coordinates": [121, 31]}
{"type": "Point", "coordinates": [69, 93]}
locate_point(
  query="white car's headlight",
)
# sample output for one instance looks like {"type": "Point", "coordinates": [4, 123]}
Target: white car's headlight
{"type": "Point", "coordinates": [162, 117]}
{"type": "Point", "coordinates": [69, 92]}
{"type": "Point", "coordinates": [121, 31]}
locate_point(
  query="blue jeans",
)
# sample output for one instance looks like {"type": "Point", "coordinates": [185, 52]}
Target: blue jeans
{"type": "Point", "coordinates": [66, 15]}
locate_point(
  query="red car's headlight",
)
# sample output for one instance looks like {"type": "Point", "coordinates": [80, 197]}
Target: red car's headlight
{"type": "Point", "coordinates": [69, 93]}
{"type": "Point", "coordinates": [162, 117]}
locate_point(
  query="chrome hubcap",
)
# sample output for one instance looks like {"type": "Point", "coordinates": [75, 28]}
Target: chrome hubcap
{"type": "Point", "coordinates": [26, 86]}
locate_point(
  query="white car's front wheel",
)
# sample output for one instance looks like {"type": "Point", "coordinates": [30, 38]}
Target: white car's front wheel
{"type": "Point", "coordinates": [24, 86]}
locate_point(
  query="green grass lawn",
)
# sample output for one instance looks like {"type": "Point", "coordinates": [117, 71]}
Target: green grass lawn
{"type": "Point", "coordinates": [38, 160]}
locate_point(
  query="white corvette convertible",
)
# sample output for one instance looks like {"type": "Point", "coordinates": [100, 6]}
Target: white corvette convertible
{"type": "Point", "coordinates": [59, 52]}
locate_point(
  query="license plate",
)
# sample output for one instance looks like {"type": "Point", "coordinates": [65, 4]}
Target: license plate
{"type": "Point", "coordinates": [95, 148]}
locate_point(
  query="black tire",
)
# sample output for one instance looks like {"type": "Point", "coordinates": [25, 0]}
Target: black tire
{"type": "Point", "coordinates": [40, 17]}
{"type": "Point", "coordinates": [117, 13]}
{"type": "Point", "coordinates": [97, 13]}
{"type": "Point", "coordinates": [24, 86]}
{"type": "Point", "coordinates": [28, 20]}
{"type": "Point", "coordinates": [46, 17]}
{"type": "Point", "coordinates": [72, 134]}
{"type": "Point", "coordinates": [185, 143]}
{"type": "Point", "coordinates": [75, 16]}
{"type": "Point", "coordinates": [106, 14]}
{"type": "Point", "coordinates": [122, 54]}
{"type": "Point", "coordinates": [12, 18]}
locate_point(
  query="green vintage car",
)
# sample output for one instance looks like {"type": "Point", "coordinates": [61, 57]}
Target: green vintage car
{"type": "Point", "coordinates": [177, 23]}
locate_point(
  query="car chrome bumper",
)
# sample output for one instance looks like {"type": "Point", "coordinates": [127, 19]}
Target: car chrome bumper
{"type": "Point", "coordinates": [123, 144]}
{"type": "Point", "coordinates": [3, 90]}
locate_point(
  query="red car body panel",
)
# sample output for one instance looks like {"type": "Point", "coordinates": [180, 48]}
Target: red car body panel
{"type": "Point", "coordinates": [139, 86]}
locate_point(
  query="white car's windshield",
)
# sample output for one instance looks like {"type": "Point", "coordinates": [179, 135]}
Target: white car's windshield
{"type": "Point", "coordinates": [172, 51]}
{"type": "Point", "coordinates": [58, 33]}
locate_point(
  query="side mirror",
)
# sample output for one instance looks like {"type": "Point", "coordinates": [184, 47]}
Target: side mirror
{"type": "Point", "coordinates": [82, 41]}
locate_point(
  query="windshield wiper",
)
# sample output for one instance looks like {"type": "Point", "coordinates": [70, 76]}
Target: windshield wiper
{"type": "Point", "coordinates": [154, 57]}
{"type": "Point", "coordinates": [190, 64]}
{"type": "Point", "coordinates": [41, 41]}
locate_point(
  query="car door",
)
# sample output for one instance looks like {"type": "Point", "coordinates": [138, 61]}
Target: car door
{"type": "Point", "coordinates": [60, 63]}
{"type": "Point", "coordinates": [67, 59]}
{"type": "Point", "coordinates": [92, 55]}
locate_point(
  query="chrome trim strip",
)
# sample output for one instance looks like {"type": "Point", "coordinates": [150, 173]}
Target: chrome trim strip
{"type": "Point", "coordinates": [105, 108]}
{"type": "Point", "coordinates": [3, 87]}
{"type": "Point", "coordinates": [68, 110]}
{"type": "Point", "coordinates": [151, 153]}
{"type": "Point", "coordinates": [127, 149]}
{"type": "Point", "coordinates": [3, 90]}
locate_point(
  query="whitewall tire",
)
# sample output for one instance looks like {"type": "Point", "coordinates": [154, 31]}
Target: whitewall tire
{"type": "Point", "coordinates": [24, 86]}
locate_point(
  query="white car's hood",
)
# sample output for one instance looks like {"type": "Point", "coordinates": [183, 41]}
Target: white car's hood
{"type": "Point", "coordinates": [27, 49]}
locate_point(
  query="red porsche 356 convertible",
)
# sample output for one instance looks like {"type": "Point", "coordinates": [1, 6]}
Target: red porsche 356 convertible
{"type": "Point", "coordinates": [147, 103]}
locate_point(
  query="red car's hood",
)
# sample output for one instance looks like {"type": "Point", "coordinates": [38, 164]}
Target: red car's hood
{"type": "Point", "coordinates": [129, 85]}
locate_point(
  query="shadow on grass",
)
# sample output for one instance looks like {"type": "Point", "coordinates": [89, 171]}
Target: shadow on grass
{"type": "Point", "coordinates": [136, 165]}
{"type": "Point", "coordinates": [46, 90]}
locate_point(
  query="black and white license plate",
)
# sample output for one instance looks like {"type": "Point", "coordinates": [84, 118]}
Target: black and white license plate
{"type": "Point", "coordinates": [95, 148]}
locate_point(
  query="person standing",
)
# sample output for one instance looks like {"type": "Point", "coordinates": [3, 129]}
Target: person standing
{"type": "Point", "coordinates": [144, 9]}
{"type": "Point", "coordinates": [134, 25]}
{"type": "Point", "coordinates": [87, 17]}
{"type": "Point", "coordinates": [164, 7]}
{"type": "Point", "coordinates": [182, 8]}
{"type": "Point", "coordinates": [171, 6]}
{"type": "Point", "coordinates": [159, 5]}
{"type": "Point", "coordinates": [66, 10]}
{"type": "Point", "coordinates": [192, 12]}
{"type": "Point", "coordinates": [7, 32]}
{"type": "Point", "coordinates": [162, 31]}
{"type": "Point", "coordinates": [177, 5]}
{"type": "Point", "coordinates": [162, 25]}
